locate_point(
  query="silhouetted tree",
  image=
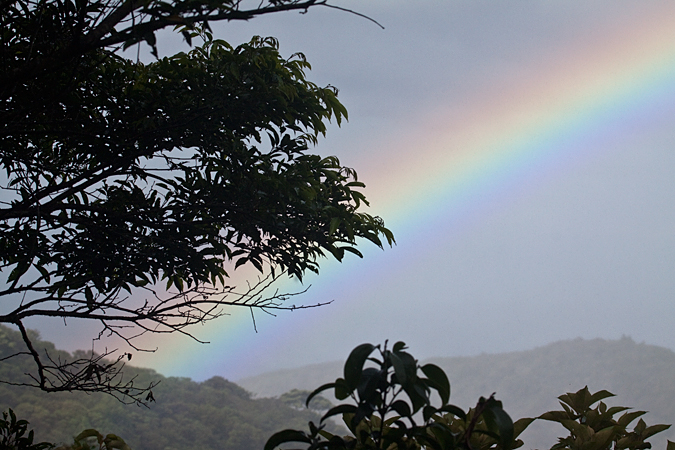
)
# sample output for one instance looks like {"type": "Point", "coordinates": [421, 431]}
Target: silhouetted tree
{"type": "Point", "coordinates": [119, 175]}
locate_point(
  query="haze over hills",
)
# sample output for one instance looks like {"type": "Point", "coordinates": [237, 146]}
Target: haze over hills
{"type": "Point", "coordinates": [529, 382]}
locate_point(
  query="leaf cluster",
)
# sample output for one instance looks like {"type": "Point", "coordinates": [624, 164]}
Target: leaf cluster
{"type": "Point", "coordinates": [596, 428]}
{"type": "Point", "coordinates": [386, 391]}
{"type": "Point", "coordinates": [92, 439]}
{"type": "Point", "coordinates": [39, 37]}
{"type": "Point", "coordinates": [13, 434]}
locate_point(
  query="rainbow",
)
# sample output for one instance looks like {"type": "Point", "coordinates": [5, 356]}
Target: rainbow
{"type": "Point", "coordinates": [446, 173]}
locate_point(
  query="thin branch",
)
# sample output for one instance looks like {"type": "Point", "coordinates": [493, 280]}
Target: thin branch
{"type": "Point", "coordinates": [157, 314]}
{"type": "Point", "coordinates": [356, 13]}
{"type": "Point", "coordinates": [34, 354]}
{"type": "Point", "coordinates": [13, 355]}
{"type": "Point", "coordinates": [255, 328]}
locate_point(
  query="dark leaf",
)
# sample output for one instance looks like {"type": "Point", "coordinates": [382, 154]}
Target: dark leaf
{"type": "Point", "coordinates": [317, 391]}
{"type": "Point", "coordinates": [354, 364]}
{"type": "Point", "coordinates": [499, 422]}
{"type": "Point", "coordinates": [340, 409]}
{"type": "Point", "coordinates": [285, 436]}
{"type": "Point", "coordinates": [439, 379]}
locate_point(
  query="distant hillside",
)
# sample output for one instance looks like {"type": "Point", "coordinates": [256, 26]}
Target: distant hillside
{"type": "Point", "coordinates": [529, 382]}
{"type": "Point", "coordinates": [215, 414]}
{"type": "Point", "coordinates": [218, 414]}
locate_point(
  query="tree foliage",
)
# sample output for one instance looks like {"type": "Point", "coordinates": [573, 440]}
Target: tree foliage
{"type": "Point", "coordinates": [386, 392]}
{"type": "Point", "coordinates": [118, 175]}
{"type": "Point", "coordinates": [13, 434]}
{"type": "Point", "coordinates": [92, 439]}
{"type": "Point", "coordinates": [40, 36]}
{"type": "Point", "coordinates": [596, 428]}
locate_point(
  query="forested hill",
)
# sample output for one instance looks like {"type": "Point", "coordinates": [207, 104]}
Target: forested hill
{"type": "Point", "coordinates": [215, 414]}
{"type": "Point", "coordinates": [218, 414]}
{"type": "Point", "coordinates": [529, 382]}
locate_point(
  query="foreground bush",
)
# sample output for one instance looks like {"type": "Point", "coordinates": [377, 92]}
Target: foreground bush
{"type": "Point", "coordinates": [13, 434]}
{"type": "Point", "coordinates": [13, 437]}
{"type": "Point", "coordinates": [389, 406]}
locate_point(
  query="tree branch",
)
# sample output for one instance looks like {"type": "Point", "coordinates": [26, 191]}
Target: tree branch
{"type": "Point", "coordinates": [167, 315]}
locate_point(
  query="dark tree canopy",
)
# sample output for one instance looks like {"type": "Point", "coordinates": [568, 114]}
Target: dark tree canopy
{"type": "Point", "coordinates": [119, 175]}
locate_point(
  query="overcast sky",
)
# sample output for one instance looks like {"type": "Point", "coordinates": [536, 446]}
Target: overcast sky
{"type": "Point", "coordinates": [576, 239]}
